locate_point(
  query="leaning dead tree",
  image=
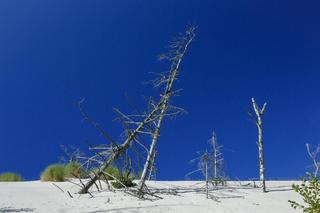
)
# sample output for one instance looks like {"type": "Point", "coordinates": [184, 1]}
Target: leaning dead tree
{"type": "Point", "coordinates": [315, 157]}
{"type": "Point", "coordinates": [258, 121]}
{"type": "Point", "coordinates": [141, 124]}
{"type": "Point", "coordinates": [178, 49]}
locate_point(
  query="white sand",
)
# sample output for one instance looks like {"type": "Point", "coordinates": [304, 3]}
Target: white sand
{"type": "Point", "coordinates": [36, 196]}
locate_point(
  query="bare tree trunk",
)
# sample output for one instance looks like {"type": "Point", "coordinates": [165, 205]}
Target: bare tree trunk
{"type": "Point", "coordinates": [152, 165]}
{"type": "Point", "coordinates": [148, 163]}
{"type": "Point", "coordinates": [156, 115]}
{"type": "Point", "coordinates": [174, 69]}
{"type": "Point", "coordinates": [215, 157]}
{"type": "Point", "coordinates": [217, 160]}
{"type": "Point", "coordinates": [207, 181]}
{"type": "Point", "coordinates": [120, 149]}
{"type": "Point", "coordinates": [259, 112]}
{"type": "Point", "coordinates": [261, 159]}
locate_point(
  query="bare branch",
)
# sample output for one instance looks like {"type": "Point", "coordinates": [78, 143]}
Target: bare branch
{"type": "Point", "coordinates": [94, 123]}
{"type": "Point", "coordinates": [314, 157]}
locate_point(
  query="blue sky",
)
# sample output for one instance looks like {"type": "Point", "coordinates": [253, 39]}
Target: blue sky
{"type": "Point", "coordinates": [53, 53]}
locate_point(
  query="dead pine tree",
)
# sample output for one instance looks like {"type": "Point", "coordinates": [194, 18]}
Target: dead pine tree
{"type": "Point", "coordinates": [217, 161]}
{"type": "Point", "coordinates": [258, 121]}
{"type": "Point", "coordinates": [144, 123]}
{"type": "Point", "coordinates": [204, 161]}
{"type": "Point", "coordinates": [178, 49]}
{"type": "Point", "coordinates": [314, 155]}
{"type": "Point", "coordinates": [210, 164]}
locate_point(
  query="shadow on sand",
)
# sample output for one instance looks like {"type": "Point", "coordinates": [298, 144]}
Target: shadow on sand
{"type": "Point", "coordinates": [11, 209]}
{"type": "Point", "coordinates": [135, 209]}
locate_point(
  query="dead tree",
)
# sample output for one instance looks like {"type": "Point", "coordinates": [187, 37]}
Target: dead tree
{"type": "Point", "coordinates": [210, 164]}
{"type": "Point", "coordinates": [217, 157]}
{"type": "Point", "coordinates": [205, 161]}
{"type": "Point", "coordinates": [146, 123]}
{"type": "Point", "coordinates": [314, 155]}
{"type": "Point", "coordinates": [203, 164]}
{"type": "Point", "coordinates": [217, 161]}
{"type": "Point", "coordinates": [258, 121]}
{"type": "Point", "coordinates": [175, 56]}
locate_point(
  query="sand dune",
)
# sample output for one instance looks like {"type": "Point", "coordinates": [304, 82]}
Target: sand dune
{"type": "Point", "coordinates": [177, 196]}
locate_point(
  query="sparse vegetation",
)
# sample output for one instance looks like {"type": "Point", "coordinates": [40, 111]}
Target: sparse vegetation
{"type": "Point", "coordinates": [310, 191]}
{"type": "Point", "coordinates": [113, 171]}
{"type": "Point", "coordinates": [73, 170]}
{"type": "Point", "coordinates": [10, 177]}
{"type": "Point", "coordinates": [124, 180]}
{"type": "Point", "coordinates": [109, 173]}
{"type": "Point", "coordinates": [120, 179]}
{"type": "Point", "coordinates": [55, 172]}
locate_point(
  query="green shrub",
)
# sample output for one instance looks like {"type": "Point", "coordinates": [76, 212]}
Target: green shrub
{"type": "Point", "coordinates": [310, 191]}
{"type": "Point", "coordinates": [110, 170]}
{"type": "Point", "coordinates": [123, 180]}
{"type": "Point", "coordinates": [10, 177]}
{"type": "Point", "coordinates": [73, 170]}
{"type": "Point", "coordinates": [55, 172]}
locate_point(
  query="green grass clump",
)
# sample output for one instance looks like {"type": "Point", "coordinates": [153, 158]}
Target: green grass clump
{"type": "Point", "coordinates": [74, 170]}
{"type": "Point", "coordinates": [127, 182]}
{"type": "Point", "coordinates": [119, 179]}
{"type": "Point", "coordinates": [54, 172]}
{"type": "Point", "coordinates": [123, 180]}
{"type": "Point", "coordinates": [113, 171]}
{"type": "Point", "coordinates": [10, 177]}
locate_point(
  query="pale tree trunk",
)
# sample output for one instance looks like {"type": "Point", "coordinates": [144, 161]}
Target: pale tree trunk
{"type": "Point", "coordinates": [120, 149]}
{"type": "Point", "coordinates": [152, 169]}
{"type": "Point", "coordinates": [259, 112]}
{"type": "Point", "coordinates": [217, 159]}
{"type": "Point", "coordinates": [148, 164]}
{"type": "Point", "coordinates": [215, 155]}
{"type": "Point", "coordinates": [261, 158]}
{"type": "Point", "coordinates": [155, 115]}
{"type": "Point", "coordinates": [207, 181]}
{"type": "Point", "coordinates": [174, 69]}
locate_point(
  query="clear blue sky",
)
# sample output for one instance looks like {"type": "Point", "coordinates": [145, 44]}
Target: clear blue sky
{"type": "Point", "coordinates": [53, 53]}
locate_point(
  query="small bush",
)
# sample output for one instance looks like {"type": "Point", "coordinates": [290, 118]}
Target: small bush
{"type": "Point", "coordinates": [110, 170]}
{"type": "Point", "coordinates": [55, 172]}
{"type": "Point", "coordinates": [310, 191]}
{"type": "Point", "coordinates": [73, 170]}
{"type": "Point", "coordinates": [123, 180]}
{"type": "Point", "coordinates": [10, 177]}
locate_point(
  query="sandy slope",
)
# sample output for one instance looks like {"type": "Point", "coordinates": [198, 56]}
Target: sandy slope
{"type": "Point", "coordinates": [41, 197]}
